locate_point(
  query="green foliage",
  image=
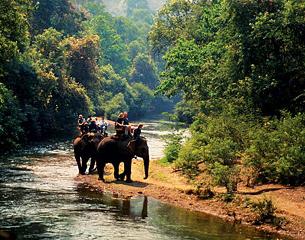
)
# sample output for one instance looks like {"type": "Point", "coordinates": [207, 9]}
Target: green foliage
{"type": "Point", "coordinates": [10, 127]}
{"type": "Point", "coordinates": [127, 29]}
{"type": "Point", "coordinates": [142, 100]}
{"type": "Point", "coordinates": [217, 141]}
{"type": "Point", "coordinates": [234, 62]}
{"type": "Point", "coordinates": [173, 21]}
{"type": "Point", "coordinates": [234, 42]}
{"type": "Point", "coordinates": [225, 143]}
{"type": "Point", "coordinates": [116, 105]}
{"type": "Point", "coordinates": [57, 14]}
{"type": "Point", "coordinates": [111, 44]}
{"type": "Point", "coordinates": [186, 111]}
{"type": "Point", "coordinates": [265, 210]}
{"type": "Point", "coordinates": [227, 176]}
{"type": "Point", "coordinates": [135, 48]}
{"type": "Point", "coordinates": [59, 60]}
{"type": "Point", "coordinates": [173, 147]}
{"type": "Point", "coordinates": [276, 151]}
{"type": "Point", "coordinates": [143, 71]}
{"type": "Point", "coordinates": [14, 36]}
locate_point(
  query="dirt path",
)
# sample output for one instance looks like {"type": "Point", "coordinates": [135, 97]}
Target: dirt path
{"type": "Point", "coordinates": [170, 187]}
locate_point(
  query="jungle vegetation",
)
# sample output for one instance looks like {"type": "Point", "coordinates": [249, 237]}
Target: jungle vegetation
{"type": "Point", "coordinates": [59, 59]}
{"type": "Point", "coordinates": [239, 66]}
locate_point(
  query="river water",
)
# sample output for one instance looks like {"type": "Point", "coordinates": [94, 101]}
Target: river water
{"type": "Point", "coordinates": [39, 199]}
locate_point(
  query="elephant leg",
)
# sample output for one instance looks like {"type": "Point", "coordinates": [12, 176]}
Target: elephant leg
{"type": "Point", "coordinates": [127, 170]}
{"type": "Point", "coordinates": [92, 164]}
{"type": "Point", "coordinates": [77, 158]}
{"type": "Point", "coordinates": [116, 171]}
{"type": "Point", "coordinates": [100, 169]}
{"type": "Point", "coordinates": [84, 164]}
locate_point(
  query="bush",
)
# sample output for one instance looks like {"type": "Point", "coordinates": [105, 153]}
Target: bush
{"type": "Point", "coordinates": [227, 176]}
{"type": "Point", "coordinates": [172, 148]}
{"type": "Point", "coordinates": [271, 150]}
{"type": "Point", "coordinates": [190, 157]}
{"type": "Point", "coordinates": [265, 210]}
{"type": "Point", "coordinates": [277, 150]}
{"type": "Point", "coordinates": [217, 141]}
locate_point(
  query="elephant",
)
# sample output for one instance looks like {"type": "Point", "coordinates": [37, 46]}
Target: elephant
{"type": "Point", "coordinates": [85, 147]}
{"type": "Point", "coordinates": [115, 150]}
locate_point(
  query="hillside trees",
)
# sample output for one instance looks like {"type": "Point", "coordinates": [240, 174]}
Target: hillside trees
{"type": "Point", "coordinates": [241, 63]}
{"type": "Point", "coordinates": [124, 61]}
{"type": "Point", "coordinates": [58, 14]}
{"type": "Point", "coordinates": [59, 60]}
{"type": "Point", "coordinates": [14, 35]}
{"type": "Point", "coordinates": [14, 38]}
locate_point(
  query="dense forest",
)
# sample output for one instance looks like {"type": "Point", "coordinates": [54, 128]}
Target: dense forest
{"type": "Point", "coordinates": [60, 58]}
{"type": "Point", "coordinates": [240, 69]}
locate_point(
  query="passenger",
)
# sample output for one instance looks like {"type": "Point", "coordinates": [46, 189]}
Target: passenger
{"type": "Point", "coordinates": [126, 124]}
{"type": "Point", "coordinates": [82, 124]}
{"type": "Point", "coordinates": [103, 126]}
{"type": "Point", "coordinates": [120, 119]}
{"type": "Point", "coordinates": [122, 125]}
{"type": "Point", "coordinates": [92, 126]}
{"type": "Point", "coordinates": [89, 119]}
{"type": "Point", "coordinates": [80, 120]}
{"type": "Point", "coordinates": [137, 132]}
{"type": "Point", "coordinates": [126, 121]}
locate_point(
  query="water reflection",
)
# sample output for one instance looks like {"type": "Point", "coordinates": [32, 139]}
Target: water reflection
{"type": "Point", "coordinates": [165, 220]}
{"type": "Point", "coordinates": [133, 208]}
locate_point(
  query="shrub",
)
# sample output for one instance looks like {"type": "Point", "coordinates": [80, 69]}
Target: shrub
{"type": "Point", "coordinates": [227, 176]}
{"type": "Point", "coordinates": [172, 148]}
{"type": "Point", "coordinates": [277, 150]}
{"type": "Point", "coordinates": [265, 210]}
{"type": "Point", "coordinates": [217, 141]}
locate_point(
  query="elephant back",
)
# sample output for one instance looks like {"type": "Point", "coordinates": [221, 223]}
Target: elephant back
{"type": "Point", "coordinates": [112, 146]}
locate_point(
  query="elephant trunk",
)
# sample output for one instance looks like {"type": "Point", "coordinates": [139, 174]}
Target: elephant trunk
{"type": "Point", "coordinates": [146, 165]}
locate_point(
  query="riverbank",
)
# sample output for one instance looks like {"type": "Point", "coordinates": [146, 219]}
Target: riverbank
{"type": "Point", "coordinates": [171, 187]}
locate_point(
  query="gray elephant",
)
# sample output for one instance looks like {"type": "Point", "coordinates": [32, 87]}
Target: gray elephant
{"type": "Point", "coordinates": [114, 150]}
{"type": "Point", "coordinates": [85, 147]}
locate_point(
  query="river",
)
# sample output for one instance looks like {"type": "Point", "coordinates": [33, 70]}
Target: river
{"type": "Point", "coordinates": [39, 199]}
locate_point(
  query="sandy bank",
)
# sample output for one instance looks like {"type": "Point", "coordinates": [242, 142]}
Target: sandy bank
{"type": "Point", "coordinates": [170, 187]}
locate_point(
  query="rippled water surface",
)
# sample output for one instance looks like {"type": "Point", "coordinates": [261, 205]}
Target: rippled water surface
{"type": "Point", "coordinates": [39, 199]}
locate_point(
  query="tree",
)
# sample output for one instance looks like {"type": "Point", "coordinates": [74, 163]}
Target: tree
{"type": "Point", "coordinates": [58, 14]}
{"type": "Point", "coordinates": [14, 35]}
{"type": "Point", "coordinates": [142, 100]}
{"type": "Point", "coordinates": [134, 4]}
{"type": "Point", "coordinates": [174, 20]}
{"type": "Point", "coordinates": [111, 44]}
{"type": "Point", "coordinates": [143, 71]}
{"type": "Point", "coordinates": [127, 29]}
{"type": "Point", "coordinates": [10, 127]}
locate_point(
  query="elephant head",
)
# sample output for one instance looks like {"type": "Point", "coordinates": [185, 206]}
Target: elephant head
{"type": "Point", "coordinates": [140, 148]}
{"type": "Point", "coordinates": [91, 141]}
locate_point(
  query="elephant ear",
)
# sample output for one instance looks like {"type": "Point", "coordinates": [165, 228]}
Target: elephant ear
{"type": "Point", "coordinates": [132, 146]}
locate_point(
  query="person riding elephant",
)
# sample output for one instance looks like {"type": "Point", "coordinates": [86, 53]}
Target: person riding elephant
{"type": "Point", "coordinates": [114, 150]}
{"type": "Point", "coordinates": [85, 147]}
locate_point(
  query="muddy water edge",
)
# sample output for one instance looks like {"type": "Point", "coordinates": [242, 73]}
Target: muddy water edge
{"type": "Point", "coordinates": [39, 199]}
